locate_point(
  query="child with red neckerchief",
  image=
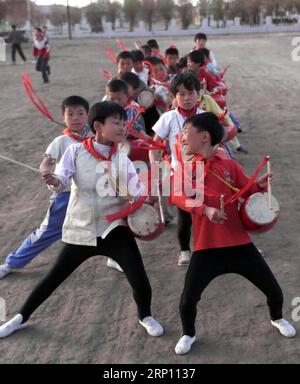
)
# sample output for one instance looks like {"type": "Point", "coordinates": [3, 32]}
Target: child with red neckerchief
{"type": "Point", "coordinates": [90, 166]}
{"type": "Point", "coordinates": [221, 243]}
{"type": "Point", "coordinates": [75, 113]}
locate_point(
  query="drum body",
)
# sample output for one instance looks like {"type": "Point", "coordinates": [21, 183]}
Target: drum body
{"type": "Point", "coordinates": [256, 215]}
{"type": "Point", "coordinates": [145, 223]}
{"type": "Point", "coordinates": [146, 99]}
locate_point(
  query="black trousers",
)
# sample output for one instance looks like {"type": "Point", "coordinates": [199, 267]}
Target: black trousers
{"type": "Point", "coordinates": [14, 49]}
{"type": "Point", "coordinates": [184, 229]}
{"type": "Point", "coordinates": [120, 245]}
{"type": "Point", "coordinates": [43, 66]}
{"type": "Point", "coordinates": [245, 260]}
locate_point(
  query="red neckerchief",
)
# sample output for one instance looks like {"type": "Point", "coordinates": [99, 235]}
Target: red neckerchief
{"type": "Point", "coordinates": [186, 114]}
{"type": "Point", "coordinates": [88, 145]}
{"type": "Point", "coordinates": [74, 136]}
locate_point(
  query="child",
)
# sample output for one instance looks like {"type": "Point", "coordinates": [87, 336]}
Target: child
{"type": "Point", "coordinates": [124, 62]}
{"type": "Point", "coordinates": [196, 62]}
{"type": "Point", "coordinates": [221, 244]}
{"type": "Point", "coordinates": [86, 232]}
{"type": "Point", "coordinates": [161, 83]}
{"type": "Point", "coordinates": [134, 84]}
{"type": "Point", "coordinates": [172, 56]}
{"type": "Point", "coordinates": [185, 88]}
{"type": "Point", "coordinates": [213, 69]}
{"type": "Point", "coordinates": [138, 66]}
{"type": "Point", "coordinates": [75, 113]}
{"type": "Point", "coordinates": [43, 54]}
{"type": "Point", "coordinates": [155, 52]}
{"type": "Point", "coordinates": [15, 38]}
{"type": "Point", "coordinates": [117, 91]}
{"type": "Point", "coordinates": [201, 41]}
{"type": "Point", "coordinates": [182, 64]}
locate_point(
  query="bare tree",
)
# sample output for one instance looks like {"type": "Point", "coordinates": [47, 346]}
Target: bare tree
{"type": "Point", "coordinates": [217, 10]}
{"type": "Point", "coordinates": [186, 14]}
{"type": "Point", "coordinates": [16, 11]}
{"type": "Point", "coordinates": [113, 12]}
{"type": "Point", "coordinates": [131, 10]}
{"type": "Point", "coordinates": [166, 11]}
{"type": "Point", "coordinates": [94, 13]}
{"type": "Point", "coordinates": [3, 10]}
{"type": "Point", "coordinates": [58, 16]}
{"type": "Point", "coordinates": [148, 7]}
{"type": "Point", "coordinates": [75, 14]}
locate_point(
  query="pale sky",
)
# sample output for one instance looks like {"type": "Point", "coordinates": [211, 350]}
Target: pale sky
{"type": "Point", "coordinates": [74, 3]}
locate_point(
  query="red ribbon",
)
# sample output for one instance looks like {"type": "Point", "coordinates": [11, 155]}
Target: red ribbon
{"type": "Point", "coordinates": [74, 136]}
{"type": "Point", "coordinates": [88, 145]}
{"type": "Point", "coordinates": [107, 75]}
{"type": "Point", "coordinates": [36, 100]}
{"type": "Point", "coordinates": [122, 45]}
{"type": "Point", "coordinates": [110, 55]}
{"type": "Point", "coordinates": [250, 183]}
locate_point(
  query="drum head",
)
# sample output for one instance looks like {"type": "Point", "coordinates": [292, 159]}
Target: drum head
{"type": "Point", "coordinates": [145, 99]}
{"type": "Point", "coordinates": [145, 223]}
{"type": "Point", "coordinates": [258, 211]}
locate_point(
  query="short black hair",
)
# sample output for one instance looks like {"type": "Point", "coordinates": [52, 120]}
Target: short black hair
{"type": "Point", "coordinates": [209, 122]}
{"type": "Point", "coordinates": [13, 26]}
{"type": "Point", "coordinates": [204, 51]}
{"type": "Point", "coordinates": [182, 63]}
{"type": "Point", "coordinates": [147, 49]}
{"type": "Point", "coordinates": [75, 101]}
{"type": "Point", "coordinates": [155, 60]}
{"type": "Point", "coordinates": [197, 57]}
{"type": "Point", "coordinates": [117, 85]}
{"type": "Point", "coordinates": [188, 79]}
{"type": "Point", "coordinates": [101, 111]}
{"type": "Point", "coordinates": [137, 55]}
{"type": "Point", "coordinates": [124, 55]}
{"type": "Point", "coordinates": [200, 36]}
{"type": "Point", "coordinates": [172, 51]}
{"type": "Point", "coordinates": [131, 79]}
{"type": "Point", "coordinates": [153, 43]}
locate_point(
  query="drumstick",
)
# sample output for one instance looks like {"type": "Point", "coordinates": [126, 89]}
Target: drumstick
{"type": "Point", "coordinates": [18, 163]}
{"type": "Point", "coordinates": [162, 216]}
{"type": "Point", "coordinates": [222, 204]}
{"type": "Point", "coordinates": [131, 124]}
{"type": "Point", "coordinates": [269, 184]}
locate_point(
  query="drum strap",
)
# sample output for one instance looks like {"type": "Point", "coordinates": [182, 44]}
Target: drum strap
{"type": "Point", "coordinates": [224, 181]}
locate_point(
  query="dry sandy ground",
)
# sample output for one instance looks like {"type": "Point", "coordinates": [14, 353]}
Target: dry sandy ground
{"type": "Point", "coordinates": [91, 318]}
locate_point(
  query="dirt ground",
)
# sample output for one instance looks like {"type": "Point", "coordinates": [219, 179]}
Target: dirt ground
{"type": "Point", "coordinates": [91, 318]}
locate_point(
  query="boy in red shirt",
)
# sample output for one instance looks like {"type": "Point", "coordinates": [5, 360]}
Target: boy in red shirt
{"type": "Point", "coordinates": [221, 244]}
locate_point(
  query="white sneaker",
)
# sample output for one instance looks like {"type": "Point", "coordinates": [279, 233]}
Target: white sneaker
{"type": "Point", "coordinates": [113, 264]}
{"type": "Point", "coordinates": [5, 269]}
{"type": "Point", "coordinates": [12, 325]}
{"type": "Point", "coordinates": [184, 257]}
{"type": "Point", "coordinates": [285, 328]}
{"type": "Point", "coordinates": [152, 326]}
{"type": "Point", "coordinates": [184, 344]}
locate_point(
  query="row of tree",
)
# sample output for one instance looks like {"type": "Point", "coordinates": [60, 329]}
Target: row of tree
{"type": "Point", "coordinates": [250, 11]}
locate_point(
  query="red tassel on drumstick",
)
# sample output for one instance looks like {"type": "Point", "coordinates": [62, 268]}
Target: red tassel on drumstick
{"type": "Point", "coordinates": [37, 101]}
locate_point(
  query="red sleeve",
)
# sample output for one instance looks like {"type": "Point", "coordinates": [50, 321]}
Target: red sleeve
{"type": "Point", "coordinates": [210, 81]}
